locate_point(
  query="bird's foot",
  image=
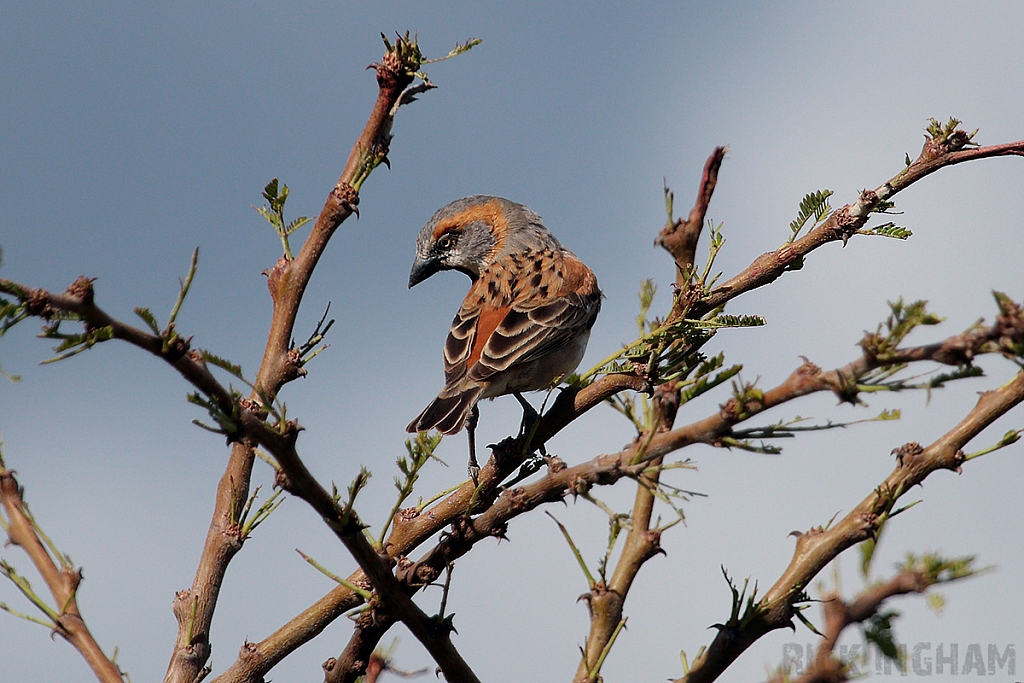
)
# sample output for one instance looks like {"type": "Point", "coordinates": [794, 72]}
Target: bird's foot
{"type": "Point", "coordinates": [473, 467]}
{"type": "Point", "coordinates": [530, 416]}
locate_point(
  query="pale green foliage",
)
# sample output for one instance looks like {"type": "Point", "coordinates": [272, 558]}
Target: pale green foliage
{"type": "Point", "coordinates": [785, 429]}
{"type": "Point", "coordinates": [814, 205]}
{"type": "Point", "coordinates": [227, 424]}
{"type": "Point", "coordinates": [419, 451]}
{"type": "Point", "coordinates": [902, 320]}
{"type": "Point", "coordinates": [249, 524]}
{"type": "Point", "coordinates": [457, 50]}
{"type": "Point", "coordinates": [74, 343]}
{"type": "Point", "coordinates": [744, 607]}
{"type": "Point", "coordinates": [942, 132]}
{"type": "Point", "coordinates": [890, 230]}
{"type": "Point", "coordinates": [308, 350]}
{"type": "Point", "coordinates": [939, 569]}
{"type": "Point", "coordinates": [1009, 438]}
{"type": "Point", "coordinates": [646, 295]}
{"type": "Point", "coordinates": [168, 334]}
{"type": "Point", "coordinates": [878, 630]}
{"type": "Point", "coordinates": [276, 197]}
{"type": "Point", "coordinates": [576, 553]}
{"type": "Point", "coordinates": [224, 364]}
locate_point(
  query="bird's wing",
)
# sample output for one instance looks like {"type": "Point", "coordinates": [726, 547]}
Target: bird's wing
{"type": "Point", "coordinates": [525, 309]}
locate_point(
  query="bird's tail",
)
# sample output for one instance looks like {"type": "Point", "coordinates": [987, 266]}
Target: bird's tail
{"type": "Point", "coordinates": [448, 412]}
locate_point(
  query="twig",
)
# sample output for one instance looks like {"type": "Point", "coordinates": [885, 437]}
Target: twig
{"type": "Point", "coordinates": [917, 577]}
{"type": "Point", "coordinates": [62, 582]}
{"type": "Point", "coordinates": [817, 547]}
{"type": "Point", "coordinates": [408, 534]}
{"type": "Point", "coordinates": [679, 237]}
{"type": "Point", "coordinates": [642, 543]}
{"type": "Point", "coordinates": [846, 221]}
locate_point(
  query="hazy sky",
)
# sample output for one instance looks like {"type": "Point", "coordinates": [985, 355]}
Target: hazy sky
{"type": "Point", "coordinates": [131, 133]}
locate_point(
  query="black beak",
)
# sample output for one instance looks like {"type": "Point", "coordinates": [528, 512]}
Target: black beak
{"type": "Point", "coordinates": [422, 268]}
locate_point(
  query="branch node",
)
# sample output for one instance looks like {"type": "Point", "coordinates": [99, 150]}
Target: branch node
{"type": "Point", "coordinates": [81, 289]}
{"type": "Point", "coordinates": [906, 453]}
{"type": "Point", "coordinates": [37, 303]}
{"type": "Point", "coordinates": [347, 197]}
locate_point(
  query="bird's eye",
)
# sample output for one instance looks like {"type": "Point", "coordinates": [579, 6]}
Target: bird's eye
{"type": "Point", "coordinates": [446, 242]}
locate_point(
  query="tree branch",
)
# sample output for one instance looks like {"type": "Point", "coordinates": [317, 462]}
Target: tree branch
{"type": "Point", "coordinates": [817, 547]}
{"type": "Point", "coordinates": [412, 527]}
{"type": "Point", "coordinates": [62, 581]}
{"type": "Point", "coordinates": [916, 577]}
{"type": "Point", "coordinates": [679, 237]}
{"type": "Point", "coordinates": [287, 282]}
{"type": "Point", "coordinates": [605, 603]}
{"type": "Point", "coordinates": [194, 607]}
{"type": "Point", "coordinates": [938, 152]}
{"type": "Point", "coordinates": [295, 478]}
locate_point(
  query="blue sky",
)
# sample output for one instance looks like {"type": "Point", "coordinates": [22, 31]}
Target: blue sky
{"type": "Point", "coordinates": [133, 133]}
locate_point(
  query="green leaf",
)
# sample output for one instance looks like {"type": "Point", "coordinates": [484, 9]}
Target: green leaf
{"type": "Point", "coordinates": [814, 204]}
{"type": "Point", "coordinates": [270, 191]}
{"type": "Point", "coordinates": [148, 318]}
{"type": "Point", "coordinates": [806, 622]}
{"type": "Point", "coordinates": [867, 553]}
{"type": "Point", "coordinates": [296, 224]}
{"type": "Point", "coordinates": [224, 364]}
{"type": "Point", "coordinates": [724, 320]}
{"type": "Point", "coordinates": [890, 230]}
{"type": "Point", "coordinates": [647, 291]}
{"type": "Point", "coordinates": [457, 50]}
{"type": "Point", "coordinates": [878, 630]}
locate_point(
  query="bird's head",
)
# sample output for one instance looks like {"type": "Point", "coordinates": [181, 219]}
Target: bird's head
{"type": "Point", "coordinates": [469, 233]}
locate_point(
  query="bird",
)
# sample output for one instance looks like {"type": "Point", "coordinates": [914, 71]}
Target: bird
{"type": "Point", "coordinates": [527, 317]}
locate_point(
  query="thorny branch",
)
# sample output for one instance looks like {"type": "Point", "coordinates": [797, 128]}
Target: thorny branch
{"type": "Point", "coordinates": [917, 577]}
{"type": "Point", "coordinates": [817, 547]}
{"type": "Point", "coordinates": [842, 224]}
{"type": "Point", "coordinates": [410, 531]}
{"type": "Point", "coordinates": [287, 282]}
{"type": "Point", "coordinates": [494, 507]}
{"type": "Point", "coordinates": [605, 602]}
{"type": "Point", "coordinates": [680, 236]}
{"type": "Point", "coordinates": [61, 581]}
{"type": "Point", "coordinates": [295, 478]}
{"type": "Point", "coordinates": [194, 607]}
{"type": "Point", "coordinates": [412, 527]}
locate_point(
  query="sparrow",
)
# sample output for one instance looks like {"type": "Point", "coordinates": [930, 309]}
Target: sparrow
{"type": "Point", "coordinates": [526, 319]}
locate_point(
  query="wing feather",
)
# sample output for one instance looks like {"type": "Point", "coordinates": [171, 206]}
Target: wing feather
{"type": "Point", "coordinates": [519, 310]}
{"type": "Point", "coordinates": [542, 318]}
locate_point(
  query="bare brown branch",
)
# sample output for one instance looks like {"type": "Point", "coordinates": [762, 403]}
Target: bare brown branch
{"type": "Point", "coordinates": [846, 221]}
{"type": "Point", "coordinates": [287, 282]}
{"type": "Point", "coordinates": [356, 657]}
{"type": "Point", "coordinates": [817, 547]}
{"type": "Point", "coordinates": [840, 614]}
{"type": "Point", "coordinates": [62, 581]}
{"type": "Point", "coordinates": [679, 237]}
{"type": "Point", "coordinates": [605, 603]}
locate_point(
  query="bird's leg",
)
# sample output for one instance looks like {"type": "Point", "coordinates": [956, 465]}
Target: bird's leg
{"type": "Point", "coordinates": [530, 419]}
{"type": "Point", "coordinates": [474, 468]}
